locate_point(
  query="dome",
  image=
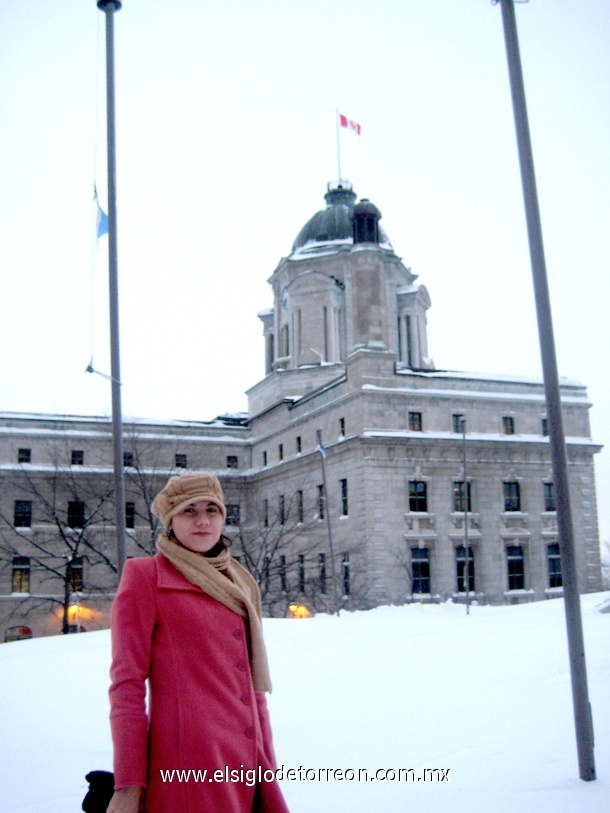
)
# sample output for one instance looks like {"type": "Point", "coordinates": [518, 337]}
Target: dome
{"type": "Point", "coordinates": [334, 223]}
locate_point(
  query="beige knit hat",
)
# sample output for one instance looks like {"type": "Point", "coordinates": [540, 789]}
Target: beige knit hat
{"type": "Point", "coordinates": [185, 489]}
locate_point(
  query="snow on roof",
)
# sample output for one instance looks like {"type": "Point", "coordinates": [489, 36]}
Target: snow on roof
{"type": "Point", "coordinates": [231, 420]}
{"type": "Point", "coordinates": [473, 394]}
{"type": "Point", "coordinates": [472, 436]}
{"type": "Point", "coordinates": [465, 374]}
{"type": "Point", "coordinates": [323, 248]}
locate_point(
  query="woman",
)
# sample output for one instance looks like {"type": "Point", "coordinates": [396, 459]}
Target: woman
{"type": "Point", "coordinates": [188, 621]}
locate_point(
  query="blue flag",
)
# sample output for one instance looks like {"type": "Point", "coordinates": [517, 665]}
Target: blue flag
{"type": "Point", "coordinates": [102, 221]}
{"type": "Point", "coordinates": [322, 449]}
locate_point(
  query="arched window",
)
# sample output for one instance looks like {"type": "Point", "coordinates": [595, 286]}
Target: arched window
{"type": "Point", "coordinates": [459, 558]}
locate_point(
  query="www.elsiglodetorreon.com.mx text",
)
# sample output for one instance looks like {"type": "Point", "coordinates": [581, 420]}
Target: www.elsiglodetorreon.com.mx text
{"type": "Point", "coordinates": [252, 776]}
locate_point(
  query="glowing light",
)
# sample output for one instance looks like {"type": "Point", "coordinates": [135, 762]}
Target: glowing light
{"type": "Point", "coordinates": [77, 613]}
{"type": "Point", "coordinates": [81, 612]}
{"type": "Point", "coordinates": [299, 611]}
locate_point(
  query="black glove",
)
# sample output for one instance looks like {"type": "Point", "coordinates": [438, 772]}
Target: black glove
{"type": "Point", "coordinates": [101, 789]}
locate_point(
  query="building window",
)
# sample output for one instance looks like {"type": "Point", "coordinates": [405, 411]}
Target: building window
{"type": "Point", "coordinates": [301, 573]}
{"type": "Point", "coordinates": [22, 517]}
{"type": "Point", "coordinates": [128, 459]}
{"type": "Point", "coordinates": [282, 509]}
{"type": "Point", "coordinates": [75, 574]}
{"type": "Point", "coordinates": [21, 574]}
{"type": "Point", "coordinates": [415, 422]}
{"type": "Point", "coordinates": [282, 572]}
{"type": "Point", "coordinates": [456, 422]}
{"type": "Point", "coordinates": [458, 496]}
{"type": "Point", "coordinates": [270, 353]}
{"type": "Point", "coordinates": [512, 496]}
{"type": "Point", "coordinates": [265, 513]}
{"type": "Point", "coordinates": [554, 559]}
{"type": "Point", "coordinates": [130, 515]}
{"type": "Point", "coordinates": [420, 569]}
{"type": "Point", "coordinates": [77, 457]}
{"type": "Point", "coordinates": [341, 427]}
{"type": "Point", "coordinates": [24, 456]}
{"type": "Point", "coordinates": [545, 427]}
{"type": "Point", "coordinates": [508, 425]}
{"type": "Point", "coordinates": [418, 496]}
{"type": "Point", "coordinates": [347, 587]}
{"type": "Point", "coordinates": [233, 514]}
{"type": "Point", "coordinates": [76, 514]}
{"type": "Point", "coordinates": [344, 506]}
{"type": "Point", "coordinates": [459, 558]}
{"type": "Point", "coordinates": [280, 451]}
{"type": "Point", "coordinates": [180, 460]}
{"type": "Point", "coordinates": [298, 444]}
{"type": "Point", "coordinates": [399, 329]}
{"type": "Point", "coordinates": [549, 497]}
{"type": "Point", "coordinates": [322, 567]}
{"type": "Point", "coordinates": [300, 506]}
{"type": "Point", "coordinates": [264, 458]}
{"type": "Point", "coordinates": [321, 501]}
{"type": "Point", "coordinates": [233, 462]}
{"type": "Point", "coordinates": [516, 572]}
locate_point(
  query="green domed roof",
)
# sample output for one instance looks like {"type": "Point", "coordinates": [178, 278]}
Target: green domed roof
{"type": "Point", "coordinates": [332, 224]}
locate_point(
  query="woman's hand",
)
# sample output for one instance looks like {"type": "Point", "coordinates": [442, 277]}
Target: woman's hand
{"type": "Point", "coordinates": [127, 800]}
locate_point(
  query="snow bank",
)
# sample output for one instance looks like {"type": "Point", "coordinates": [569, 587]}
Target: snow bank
{"type": "Point", "coordinates": [486, 697]}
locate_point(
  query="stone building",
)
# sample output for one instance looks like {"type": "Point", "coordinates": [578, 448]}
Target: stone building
{"type": "Point", "coordinates": [344, 482]}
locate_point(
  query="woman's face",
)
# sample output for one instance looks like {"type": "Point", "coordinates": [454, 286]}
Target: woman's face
{"type": "Point", "coordinates": [198, 526]}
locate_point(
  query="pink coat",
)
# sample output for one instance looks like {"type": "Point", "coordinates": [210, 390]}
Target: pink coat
{"type": "Point", "coordinates": [204, 714]}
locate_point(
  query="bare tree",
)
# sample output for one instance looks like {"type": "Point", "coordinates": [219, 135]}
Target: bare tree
{"type": "Point", "coordinates": [59, 525]}
{"type": "Point", "coordinates": [283, 541]}
{"type": "Point", "coordinates": [148, 466]}
{"type": "Point", "coordinates": [149, 461]}
{"type": "Point", "coordinates": [276, 539]}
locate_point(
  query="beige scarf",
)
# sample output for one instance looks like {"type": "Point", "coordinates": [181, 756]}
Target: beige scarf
{"type": "Point", "coordinates": [239, 592]}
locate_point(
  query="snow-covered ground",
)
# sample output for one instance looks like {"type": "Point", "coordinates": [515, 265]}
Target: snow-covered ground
{"type": "Point", "coordinates": [486, 697]}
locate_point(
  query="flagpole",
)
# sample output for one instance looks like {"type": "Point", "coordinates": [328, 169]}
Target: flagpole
{"type": "Point", "coordinates": [580, 694]}
{"type": "Point", "coordinates": [338, 144]}
{"type": "Point", "coordinates": [109, 7]}
{"type": "Point", "coordinates": [325, 501]}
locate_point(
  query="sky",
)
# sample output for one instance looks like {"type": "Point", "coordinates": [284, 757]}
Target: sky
{"type": "Point", "coordinates": [226, 139]}
{"type": "Point", "coordinates": [368, 690]}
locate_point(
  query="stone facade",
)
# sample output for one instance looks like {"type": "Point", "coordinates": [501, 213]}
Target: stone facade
{"type": "Point", "coordinates": [379, 518]}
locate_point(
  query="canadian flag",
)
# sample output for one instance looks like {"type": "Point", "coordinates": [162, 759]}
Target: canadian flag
{"type": "Point", "coordinates": [350, 125]}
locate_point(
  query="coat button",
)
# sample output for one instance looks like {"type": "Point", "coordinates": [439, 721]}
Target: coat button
{"type": "Point", "coordinates": [249, 732]}
{"type": "Point", "coordinates": [238, 634]}
{"type": "Point", "coordinates": [246, 699]}
{"type": "Point", "coordinates": [242, 666]}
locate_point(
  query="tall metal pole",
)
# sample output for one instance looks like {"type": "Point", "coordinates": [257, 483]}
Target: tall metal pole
{"type": "Point", "coordinates": [327, 512]}
{"type": "Point", "coordinates": [580, 695]}
{"type": "Point", "coordinates": [109, 7]}
{"type": "Point", "coordinates": [338, 144]}
{"type": "Point", "coordinates": [465, 498]}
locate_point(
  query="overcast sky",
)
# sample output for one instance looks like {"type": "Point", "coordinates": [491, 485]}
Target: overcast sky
{"type": "Point", "coordinates": [226, 140]}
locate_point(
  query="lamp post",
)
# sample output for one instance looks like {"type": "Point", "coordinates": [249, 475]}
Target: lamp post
{"type": "Point", "coordinates": [465, 506]}
{"type": "Point", "coordinates": [322, 451]}
{"type": "Point", "coordinates": [580, 695]}
{"type": "Point", "coordinates": [109, 7]}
